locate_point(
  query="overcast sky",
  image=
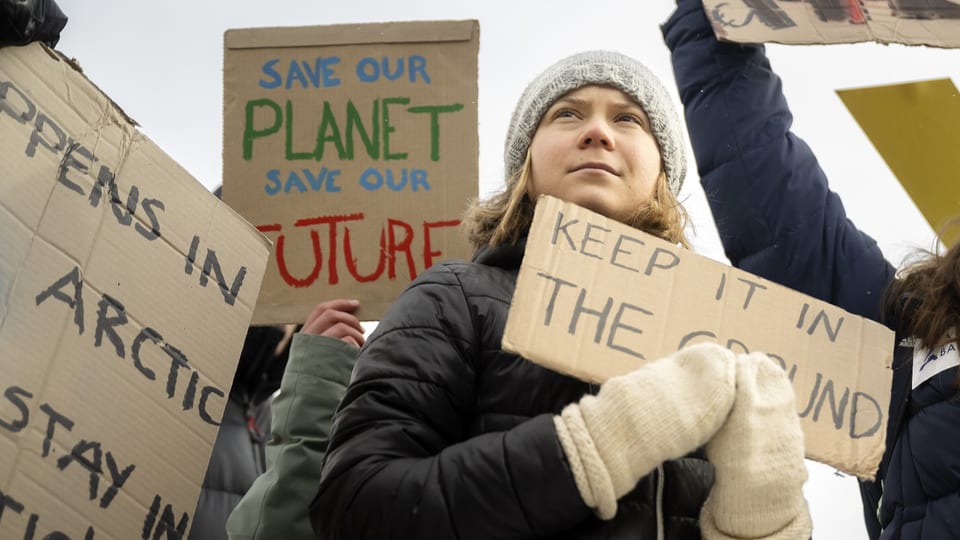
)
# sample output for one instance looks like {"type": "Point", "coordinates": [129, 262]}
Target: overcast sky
{"type": "Point", "coordinates": [162, 63]}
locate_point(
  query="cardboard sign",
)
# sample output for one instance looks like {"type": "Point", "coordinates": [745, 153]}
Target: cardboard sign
{"type": "Point", "coordinates": [914, 22]}
{"type": "Point", "coordinates": [596, 298]}
{"type": "Point", "coordinates": [126, 290]}
{"type": "Point", "coordinates": [355, 149]}
{"type": "Point", "coordinates": [925, 161]}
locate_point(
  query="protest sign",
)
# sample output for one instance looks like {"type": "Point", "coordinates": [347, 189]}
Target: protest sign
{"type": "Point", "coordinates": [914, 22]}
{"type": "Point", "coordinates": [920, 146]}
{"type": "Point", "coordinates": [126, 289]}
{"type": "Point", "coordinates": [354, 148]}
{"type": "Point", "coordinates": [596, 298]}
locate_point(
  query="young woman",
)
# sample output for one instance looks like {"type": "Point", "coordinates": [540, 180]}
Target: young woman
{"type": "Point", "coordinates": [442, 434]}
{"type": "Point", "coordinates": [778, 218]}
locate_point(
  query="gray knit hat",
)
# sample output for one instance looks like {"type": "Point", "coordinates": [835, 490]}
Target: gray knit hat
{"type": "Point", "coordinates": [608, 69]}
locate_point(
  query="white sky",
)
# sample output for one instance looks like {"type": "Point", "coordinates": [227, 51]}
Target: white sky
{"type": "Point", "coordinates": [162, 63]}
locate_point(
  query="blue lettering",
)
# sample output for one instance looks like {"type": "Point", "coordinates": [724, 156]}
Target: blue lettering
{"type": "Point", "coordinates": [294, 181]}
{"type": "Point", "coordinates": [302, 74]}
{"type": "Point", "coordinates": [332, 186]}
{"type": "Point", "coordinates": [317, 182]}
{"type": "Point", "coordinates": [364, 66]}
{"type": "Point", "coordinates": [415, 180]}
{"type": "Point", "coordinates": [367, 183]}
{"type": "Point", "coordinates": [323, 180]}
{"type": "Point", "coordinates": [418, 177]}
{"type": "Point", "coordinates": [326, 66]}
{"type": "Point", "coordinates": [268, 70]}
{"type": "Point", "coordinates": [313, 73]}
{"type": "Point", "coordinates": [418, 64]}
{"type": "Point", "coordinates": [386, 69]}
{"type": "Point", "coordinates": [295, 73]}
{"type": "Point", "coordinates": [394, 186]}
{"type": "Point", "coordinates": [321, 67]}
{"type": "Point", "coordinates": [274, 176]}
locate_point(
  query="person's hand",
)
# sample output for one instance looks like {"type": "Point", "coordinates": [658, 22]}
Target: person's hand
{"type": "Point", "coordinates": [662, 411]}
{"type": "Point", "coordinates": [335, 318]}
{"type": "Point", "coordinates": [758, 458]}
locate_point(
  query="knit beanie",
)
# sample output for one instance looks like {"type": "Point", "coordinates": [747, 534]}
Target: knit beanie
{"type": "Point", "coordinates": [604, 68]}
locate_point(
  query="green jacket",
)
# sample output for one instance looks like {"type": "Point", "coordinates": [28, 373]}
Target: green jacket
{"type": "Point", "coordinates": [315, 378]}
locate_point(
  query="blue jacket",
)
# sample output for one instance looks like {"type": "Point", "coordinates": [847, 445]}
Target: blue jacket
{"type": "Point", "coordinates": [777, 218]}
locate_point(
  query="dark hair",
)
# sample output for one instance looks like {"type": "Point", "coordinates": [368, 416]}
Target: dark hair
{"type": "Point", "coordinates": [926, 295]}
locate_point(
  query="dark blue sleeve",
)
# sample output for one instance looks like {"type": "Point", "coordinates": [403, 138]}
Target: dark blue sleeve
{"type": "Point", "coordinates": [774, 210]}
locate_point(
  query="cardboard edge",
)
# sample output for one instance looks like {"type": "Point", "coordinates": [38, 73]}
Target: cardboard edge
{"type": "Point", "coordinates": [74, 64]}
{"type": "Point", "coordinates": [351, 34]}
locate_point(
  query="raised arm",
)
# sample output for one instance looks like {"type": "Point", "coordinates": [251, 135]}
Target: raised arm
{"type": "Point", "coordinates": [770, 199]}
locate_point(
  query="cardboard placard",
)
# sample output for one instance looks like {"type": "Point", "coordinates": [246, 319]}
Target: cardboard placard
{"type": "Point", "coordinates": [355, 148]}
{"type": "Point", "coordinates": [801, 22]}
{"type": "Point", "coordinates": [926, 162]}
{"type": "Point", "coordinates": [126, 290]}
{"type": "Point", "coordinates": [596, 298]}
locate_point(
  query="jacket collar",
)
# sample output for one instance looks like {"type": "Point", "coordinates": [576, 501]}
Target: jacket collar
{"type": "Point", "coordinates": [506, 256]}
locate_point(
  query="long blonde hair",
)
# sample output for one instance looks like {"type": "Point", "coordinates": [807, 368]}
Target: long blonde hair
{"type": "Point", "coordinates": [505, 217]}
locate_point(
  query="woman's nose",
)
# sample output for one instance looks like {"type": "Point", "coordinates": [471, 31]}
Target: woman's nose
{"type": "Point", "coordinates": [596, 132]}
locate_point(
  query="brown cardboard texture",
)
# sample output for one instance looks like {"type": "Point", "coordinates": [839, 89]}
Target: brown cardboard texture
{"type": "Point", "coordinates": [913, 22]}
{"type": "Point", "coordinates": [596, 298]}
{"type": "Point", "coordinates": [125, 293]}
{"type": "Point", "coordinates": [355, 149]}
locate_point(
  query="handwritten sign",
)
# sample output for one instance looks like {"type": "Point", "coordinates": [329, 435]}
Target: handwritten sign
{"type": "Point", "coordinates": [843, 21]}
{"type": "Point", "coordinates": [596, 298]}
{"type": "Point", "coordinates": [354, 148]}
{"type": "Point", "coordinates": [125, 293]}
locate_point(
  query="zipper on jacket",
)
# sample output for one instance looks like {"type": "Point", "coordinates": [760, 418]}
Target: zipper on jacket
{"type": "Point", "coordinates": [659, 480]}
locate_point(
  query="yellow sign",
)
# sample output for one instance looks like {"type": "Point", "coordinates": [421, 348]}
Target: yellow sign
{"type": "Point", "coordinates": [914, 127]}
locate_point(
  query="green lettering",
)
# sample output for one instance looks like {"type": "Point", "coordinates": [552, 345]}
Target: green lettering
{"type": "Point", "coordinates": [388, 129]}
{"type": "Point", "coordinates": [290, 154]}
{"type": "Point", "coordinates": [434, 111]}
{"type": "Point", "coordinates": [250, 133]}
{"type": "Point", "coordinates": [371, 141]}
{"type": "Point", "coordinates": [329, 122]}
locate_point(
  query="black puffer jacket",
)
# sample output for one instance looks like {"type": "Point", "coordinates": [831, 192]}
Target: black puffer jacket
{"type": "Point", "coordinates": [441, 434]}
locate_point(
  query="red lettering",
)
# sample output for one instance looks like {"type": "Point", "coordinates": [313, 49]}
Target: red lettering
{"type": "Point", "coordinates": [428, 255]}
{"type": "Point", "coordinates": [402, 245]}
{"type": "Point", "coordinates": [352, 261]}
{"type": "Point", "coordinates": [396, 240]}
{"type": "Point", "coordinates": [332, 221]}
{"type": "Point", "coordinates": [282, 262]}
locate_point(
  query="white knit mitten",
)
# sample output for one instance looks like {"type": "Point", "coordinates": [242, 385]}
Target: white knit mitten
{"type": "Point", "coordinates": [662, 411]}
{"type": "Point", "coordinates": [758, 456]}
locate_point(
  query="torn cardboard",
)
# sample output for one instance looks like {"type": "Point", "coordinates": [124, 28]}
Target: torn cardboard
{"type": "Point", "coordinates": [925, 162]}
{"type": "Point", "coordinates": [355, 149]}
{"type": "Point", "coordinates": [800, 22]}
{"type": "Point", "coordinates": [125, 293]}
{"type": "Point", "coordinates": [596, 298]}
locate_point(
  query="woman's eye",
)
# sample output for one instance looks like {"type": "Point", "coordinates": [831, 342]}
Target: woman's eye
{"type": "Point", "coordinates": [564, 113]}
{"type": "Point", "coordinates": [630, 118]}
